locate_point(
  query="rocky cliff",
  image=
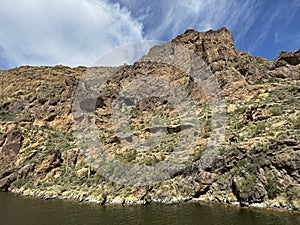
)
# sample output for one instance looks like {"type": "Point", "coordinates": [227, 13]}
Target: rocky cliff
{"type": "Point", "coordinates": [257, 161]}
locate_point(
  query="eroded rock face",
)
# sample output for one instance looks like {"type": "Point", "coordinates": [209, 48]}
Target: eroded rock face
{"type": "Point", "coordinates": [288, 58]}
{"type": "Point", "coordinates": [10, 146]}
{"type": "Point", "coordinates": [12, 143]}
{"type": "Point", "coordinates": [258, 161]}
{"type": "Point", "coordinates": [51, 161]}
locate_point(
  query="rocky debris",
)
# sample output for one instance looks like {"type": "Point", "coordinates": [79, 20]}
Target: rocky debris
{"type": "Point", "coordinates": [204, 181]}
{"type": "Point", "coordinates": [258, 163]}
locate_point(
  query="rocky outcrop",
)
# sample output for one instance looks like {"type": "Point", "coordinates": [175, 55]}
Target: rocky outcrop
{"type": "Point", "coordinates": [288, 58]}
{"type": "Point", "coordinates": [257, 163]}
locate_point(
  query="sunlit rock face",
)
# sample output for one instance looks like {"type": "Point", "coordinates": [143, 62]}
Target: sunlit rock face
{"type": "Point", "coordinates": [257, 161]}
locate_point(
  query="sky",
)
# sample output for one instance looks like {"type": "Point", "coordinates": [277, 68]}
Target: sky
{"type": "Point", "coordinates": [78, 32]}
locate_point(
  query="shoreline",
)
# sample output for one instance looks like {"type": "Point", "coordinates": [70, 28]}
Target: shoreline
{"type": "Point", "coordinates": [253, 206]}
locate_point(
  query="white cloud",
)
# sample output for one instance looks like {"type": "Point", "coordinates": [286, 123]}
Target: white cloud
{"type": "Point", "coordinates": [70, 32]}
{"type": "Point", "coordinates": [77, 32]}
{"type": "Point", "coordinates": [169, 18]}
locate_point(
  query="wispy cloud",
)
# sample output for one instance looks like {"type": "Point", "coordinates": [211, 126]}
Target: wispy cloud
{"type": "Point", "coordinates": [272, 21]}
{"type": "Point", "coordinates": [166, 19]}
{"type": "Point", "coordinates": [267, 26]}
{"type": "Point", "coordinates": [70, 32]}
{"type": "Point", "coordinates": [77, 32]}
{"type": "Point", "coordinates": [253, 22]}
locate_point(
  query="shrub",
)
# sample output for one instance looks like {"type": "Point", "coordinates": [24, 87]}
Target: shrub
{"type": "Point", "coordinates": [293, 193]}
{"type": "Point", "coordinates": [296, 122]}
{"type": "Point", "coordinates": [197, 154]}
{"type": "Point", "coordinates": [276, 111]}
{"type": "Point", "coordinates": [272, 186]}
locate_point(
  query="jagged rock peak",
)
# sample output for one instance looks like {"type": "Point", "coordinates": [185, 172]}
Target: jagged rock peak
{"type": "Point", "coordinates": [213, 46]}
{"type": "Point", "coordinates": [220, 36]}
{"type": "Point", "coordinates": [219, 32]}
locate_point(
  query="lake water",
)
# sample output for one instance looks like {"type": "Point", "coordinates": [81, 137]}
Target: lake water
{"type": "Point", "coordinates": [16, 210]}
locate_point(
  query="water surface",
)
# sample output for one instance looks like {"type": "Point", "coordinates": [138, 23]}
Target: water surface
{"type": "Point", "coordinates": [15, 210]}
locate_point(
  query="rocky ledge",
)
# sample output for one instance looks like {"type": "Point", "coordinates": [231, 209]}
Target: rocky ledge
{"type": "Point", "coordinates": [257, 162]}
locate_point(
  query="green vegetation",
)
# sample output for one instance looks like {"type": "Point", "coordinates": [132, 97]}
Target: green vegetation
{"type": "Point", "coordinates": [198, 152]}
{"type": "Point", "coordinates": [272, 186]}
{"type": "Point", "coordinates": [293, 193]}
{"type": "Point", "coordinates": [259, 60]}
{"type": "Point", "coordinates": [128, 156]}
{"type": "Point", "coordinates": [248, 185]}
{"type": "Point", "coordinates": [296, 122]}
{"type": "Point", "coordinates": [7, 116]}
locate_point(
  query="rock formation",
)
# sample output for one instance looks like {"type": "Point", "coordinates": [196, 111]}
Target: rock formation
{"type": "Point", "coordinates": [257, 162]}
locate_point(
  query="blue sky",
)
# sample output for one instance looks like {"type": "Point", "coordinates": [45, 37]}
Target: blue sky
{"type": "Point", "coordinates": [78, 32]}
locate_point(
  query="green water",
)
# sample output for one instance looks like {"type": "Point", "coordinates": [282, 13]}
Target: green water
{"type": "Point", "coordinates": [16, 210]}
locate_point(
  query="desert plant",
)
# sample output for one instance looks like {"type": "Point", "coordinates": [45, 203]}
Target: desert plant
{"type": "Point", "coordinates": [272, 186]}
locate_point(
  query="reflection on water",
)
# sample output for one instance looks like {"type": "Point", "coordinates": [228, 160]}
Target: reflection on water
{"type": "Point", "coordinates": [16, 210]}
